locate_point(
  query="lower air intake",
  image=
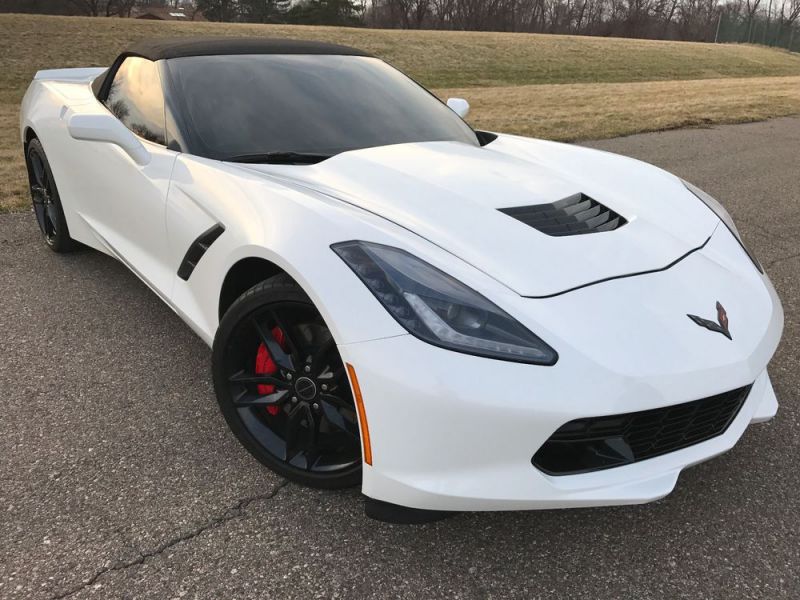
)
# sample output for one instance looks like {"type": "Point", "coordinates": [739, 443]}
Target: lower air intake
{"type": "Point", "coordinates": [575, 215]}
{"type": "Point", "coordinates": [597, 443]}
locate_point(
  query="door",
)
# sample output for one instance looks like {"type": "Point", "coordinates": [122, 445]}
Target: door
{"type": "Point", "coordinates": [126, 202]}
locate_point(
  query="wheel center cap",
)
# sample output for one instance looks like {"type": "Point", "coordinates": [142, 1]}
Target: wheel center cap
{"type": "Point", "coordinates": [305, 388]}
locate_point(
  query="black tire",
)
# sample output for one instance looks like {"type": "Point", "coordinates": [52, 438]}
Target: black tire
{"type": "Point", "coordinates": [46, 201]}
{"type": "Point", "coordinates": [310, 436]}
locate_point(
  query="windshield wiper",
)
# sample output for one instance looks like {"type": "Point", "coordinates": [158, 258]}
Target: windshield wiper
{"type": "Point", "coordinates": [288, 158]}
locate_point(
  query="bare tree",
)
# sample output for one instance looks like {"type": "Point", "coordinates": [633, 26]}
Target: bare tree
{"type": "Point", "coordinates": [751, 6]}
{"type": "Point", "coordinates": [790, 12]}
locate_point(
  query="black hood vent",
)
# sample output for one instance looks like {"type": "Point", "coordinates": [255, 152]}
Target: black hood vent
{"type": "Point", "coordinates": [574, 215]}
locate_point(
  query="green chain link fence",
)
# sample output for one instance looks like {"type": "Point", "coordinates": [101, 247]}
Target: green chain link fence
{"type": "Point", "coordinates": [768, 32]}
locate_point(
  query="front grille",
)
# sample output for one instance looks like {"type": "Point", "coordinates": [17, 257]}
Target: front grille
{"type": "Point", "coordinates": [599, 443]}
{"type": "Point", "coordinates": [575, 215]}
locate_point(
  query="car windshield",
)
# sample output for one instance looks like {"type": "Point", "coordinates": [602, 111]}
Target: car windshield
{"type": "Point", "coordinates": [282, 105]}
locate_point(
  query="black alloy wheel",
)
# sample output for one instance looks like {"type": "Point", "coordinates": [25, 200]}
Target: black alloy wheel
{"type": "Point", "coordinates": [283, 388]}
{"type": "Point", "coordinates": [46, 201]}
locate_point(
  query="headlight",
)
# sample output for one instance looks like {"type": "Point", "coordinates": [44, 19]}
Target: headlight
{"type": "Point", "coordinates": [723, 215]}
{"type": "Point", "coordinates": [440, 309]}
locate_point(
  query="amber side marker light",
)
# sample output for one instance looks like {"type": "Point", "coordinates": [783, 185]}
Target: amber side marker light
{"type": "Point", "coordinates": [362, 415]}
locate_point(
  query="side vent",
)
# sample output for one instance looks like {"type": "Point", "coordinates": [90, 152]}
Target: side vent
{"type": "Point", "coordinates": [197, 249]}
{"type": "Point", "coordinates": [574, 215]}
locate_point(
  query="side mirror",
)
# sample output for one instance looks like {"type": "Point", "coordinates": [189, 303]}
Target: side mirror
{"type": "Point", "coordinates": [106, 128]}
{"type": "Point", "coordinates": [459, 106]}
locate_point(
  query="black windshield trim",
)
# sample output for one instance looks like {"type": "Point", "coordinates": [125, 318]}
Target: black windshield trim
{"type": "Point", "coordinates": [278, 158]}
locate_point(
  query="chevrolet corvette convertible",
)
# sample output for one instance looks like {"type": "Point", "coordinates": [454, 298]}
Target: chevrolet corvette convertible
{"type": "Point", "coordinates": [456, 320]}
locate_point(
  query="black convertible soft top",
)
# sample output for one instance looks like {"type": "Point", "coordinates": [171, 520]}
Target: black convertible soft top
{"type": "Point", "coordinates": [165, 48]}
{"type": "Point", "coordinates": [158, 49]}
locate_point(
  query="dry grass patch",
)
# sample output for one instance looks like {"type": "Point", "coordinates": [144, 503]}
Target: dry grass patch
{"type": "Point", "coordinates": [13, 177]}
{"type": "Point", "coordinates": [593, 111]}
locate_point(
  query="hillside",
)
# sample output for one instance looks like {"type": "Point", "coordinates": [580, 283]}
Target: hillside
{"type": "Point", "coordinates": [616, 86]}
{"type": "Point", "coordinates": [435, 58]}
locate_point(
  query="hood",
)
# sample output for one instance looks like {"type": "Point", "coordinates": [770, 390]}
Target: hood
{"type": "Point", "coordinates": [451, 194]}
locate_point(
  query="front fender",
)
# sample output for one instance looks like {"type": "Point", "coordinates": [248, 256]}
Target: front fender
{"type": "Point", "coordinates": [291, 228]}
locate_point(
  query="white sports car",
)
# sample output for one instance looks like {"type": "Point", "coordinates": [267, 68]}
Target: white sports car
{"type": "Point", "coordinates": [455, 319]}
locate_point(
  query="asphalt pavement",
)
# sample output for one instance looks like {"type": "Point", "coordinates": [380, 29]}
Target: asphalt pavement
{"type": "Point", "coordinates": [119, 478]}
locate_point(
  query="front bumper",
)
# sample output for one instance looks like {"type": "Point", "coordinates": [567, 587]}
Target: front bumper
{"type": "Point", "coordinates": [443, 442]}
{"type": "Point", "coordinates": [451, 431]}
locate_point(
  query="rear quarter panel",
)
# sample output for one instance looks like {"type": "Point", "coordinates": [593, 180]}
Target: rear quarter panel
{"type": "Point", "coordinates": [47, 104]}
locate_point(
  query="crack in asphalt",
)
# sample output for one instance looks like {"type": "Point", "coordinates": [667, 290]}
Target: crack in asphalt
{"type": "Point", "coordinates": [781, 259]}
{"type": "Point", "coordinates": [770, 235]}
{"type": "Point", "coordinates": [230, 513]}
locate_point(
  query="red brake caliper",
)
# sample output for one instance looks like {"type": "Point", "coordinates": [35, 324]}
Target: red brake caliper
{"type": "Point", "coordinates": [266, 366]}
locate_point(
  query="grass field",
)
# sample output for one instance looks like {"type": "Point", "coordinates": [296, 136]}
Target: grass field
{"type": "Point", "coordinates": [559, 87]}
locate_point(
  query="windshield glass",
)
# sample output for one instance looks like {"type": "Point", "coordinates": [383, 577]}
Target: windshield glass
{"type": "Point", "coordinates": [321, 104]}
